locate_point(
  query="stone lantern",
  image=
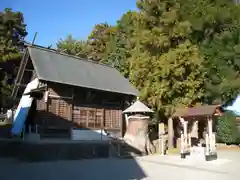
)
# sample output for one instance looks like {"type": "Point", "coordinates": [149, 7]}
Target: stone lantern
{"type": "Point", "coordinates": [137, 117]}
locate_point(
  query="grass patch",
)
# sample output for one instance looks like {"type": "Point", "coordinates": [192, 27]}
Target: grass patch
{"type": "Point", "coordinates": [174, 151]}
{"type": "Point", "coordinates": [229, 148]}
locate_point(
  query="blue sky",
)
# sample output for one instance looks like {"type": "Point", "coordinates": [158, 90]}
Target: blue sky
{"type": "Point", "coordinates": [55, 19]}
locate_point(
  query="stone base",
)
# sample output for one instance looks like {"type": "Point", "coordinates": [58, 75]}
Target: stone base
{"type": "Point", "coordinates": [211, 157]}
{"type": "Point", "coordinates": [197, 152]}
{"type": "Point", "coordinates": [183, 155]}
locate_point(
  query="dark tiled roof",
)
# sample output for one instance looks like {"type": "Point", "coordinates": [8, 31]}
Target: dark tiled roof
{"type": "Point", "coordinates": [61, 68]}
{"type": "Point", "coordinates": [205, 110]}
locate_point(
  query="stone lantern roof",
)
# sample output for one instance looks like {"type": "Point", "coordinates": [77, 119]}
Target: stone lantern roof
{"type": "Point", "coordinates": [138, 107]}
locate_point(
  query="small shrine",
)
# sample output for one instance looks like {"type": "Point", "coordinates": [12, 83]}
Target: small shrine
{"type": "Point", "coordinates": [190, 119]}
{"type": "Point", "coordinates": [137, 117]}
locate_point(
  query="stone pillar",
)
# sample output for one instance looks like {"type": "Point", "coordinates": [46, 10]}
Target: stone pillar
{"type": "Point", "coordinates": [161, 139]}
{"type": "Point", "coordinates": [209, 126]}
{"type": "Point", "coordinates": [170, 133]}
{"type": "Point", "coordinates": [185, 123]}
{"type": "Point", "coordinates": [185, 133]}
{"type": "Point", "coordinates": [210, 133]}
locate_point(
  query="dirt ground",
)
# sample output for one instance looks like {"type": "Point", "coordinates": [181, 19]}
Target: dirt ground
{"type": "Point", "coordinates": [149, 167]}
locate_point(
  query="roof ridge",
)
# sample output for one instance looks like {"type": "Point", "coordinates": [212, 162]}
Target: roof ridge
{"type": "Point", "coordinates": [68, 55]}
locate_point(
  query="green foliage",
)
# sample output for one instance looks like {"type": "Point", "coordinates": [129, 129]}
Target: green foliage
{"type": "Point", "coordinates": [208, 17]}
{"type": "Point", "coordinates": [215, 30]}
{"type": "Point", "coordinates": [5, 92]}
{"type": "Point", "coordinates": [116, 54]}
{"type": "Point", "coordinates": [222, 56]}
{"type": "Point", "coordinates": [100, 36]}
{"type": "Point", "coordinates": [171, 64]}
{"type": "Point", "coordinates": [72, 46]}
{"type": "Point", "coordinates": [227, 131]}
{"type": "Point", "coordinates": [12, 33]}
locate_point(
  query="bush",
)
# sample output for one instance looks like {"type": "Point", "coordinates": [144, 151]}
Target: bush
{"type": "Point", "coordinates": [227, 131]}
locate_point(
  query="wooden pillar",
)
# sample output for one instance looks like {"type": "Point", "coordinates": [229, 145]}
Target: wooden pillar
{"type": "Point", "coordinates": [194, 131]}
{"type": "Point", "coordinates": [127, 120]}
{"type": "Point", "coordinates": [170, 133]}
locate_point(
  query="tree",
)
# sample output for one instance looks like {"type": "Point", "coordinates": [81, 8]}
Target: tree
{"type": "Point", "coordinates": [12, 34]}
{"type": "Point", "coordinates": [72, 46]}
{"type": "Point", "coordinates": [227, 131]}
{"type": "Point", "coordinates": [215, 30]}
{"type": "Point", "coordinates": [208, 17]}
{"type": "Point", "coordinates": [222, 56]}
{"type": "Point", "coordinates": [116, 54]}
{"type": "Point", "coordinates": [98, 40]}
{"type": "Point", "coordinates": [119, 49]}
{"type": "Point", "coordinates": [174, 72]}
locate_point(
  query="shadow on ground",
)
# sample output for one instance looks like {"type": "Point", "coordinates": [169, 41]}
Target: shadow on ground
{"type": "Point", "coordinates": [115, 169]}
{"type": "Point", "coordinates": [58, 161]}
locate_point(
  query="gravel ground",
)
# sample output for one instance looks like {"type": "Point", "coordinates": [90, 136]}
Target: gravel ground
{"type": "Point", "coordinates": [148, 167]}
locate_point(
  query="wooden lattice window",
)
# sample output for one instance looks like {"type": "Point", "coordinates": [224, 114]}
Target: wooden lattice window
{"type": "Point", "coordinates": [63, 109]}
{"type": "Point", "coordinates": [99, 118]}
{"type": "Point", "coordinates": [59, 107]}
{"type": "Point", "coordinates": [91, 117]}
{"type": "Point", "coordinates": [113, 118]}
{"type": "Point", "coordinates": [108, 117]}
{"type": "Point", "coordinates": [88, 117]}
{"type": "Point", "coordinates": [76, 114]}
{"type": "Point", "coordinates": [83, 117]}
{"type": "Point", "coordinates": [53, 106]}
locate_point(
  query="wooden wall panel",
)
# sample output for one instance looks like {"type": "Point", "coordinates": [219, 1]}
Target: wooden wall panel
{"type": "Point", "coordinates": [67, 108]}
{"type": "Point", "coordinates": [97, 118]}
{"type": "Point", "coordinates": [113, 118]}
{"type": "Point", "coordinates": [59, 112]}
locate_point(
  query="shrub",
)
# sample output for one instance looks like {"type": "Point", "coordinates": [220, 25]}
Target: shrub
{"type": "Point", "coordinates": [227, 131]}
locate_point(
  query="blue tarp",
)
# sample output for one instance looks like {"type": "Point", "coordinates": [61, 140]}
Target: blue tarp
{"type": "Point", "coordinates": [23, 108]}
{"type": "Point", "coordinates": [18, 124]}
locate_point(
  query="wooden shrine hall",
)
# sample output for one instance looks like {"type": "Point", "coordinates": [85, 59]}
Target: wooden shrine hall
{"type": "Point", "coordinates": [80, 97]}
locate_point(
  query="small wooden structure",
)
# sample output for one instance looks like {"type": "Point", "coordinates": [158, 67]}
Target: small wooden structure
{"type": "Point", "coordinates": [137, 126]}
{"type": "Point", "coordinates": [191, 117]}
{"type": "Point", "coordinates": [76, 99]}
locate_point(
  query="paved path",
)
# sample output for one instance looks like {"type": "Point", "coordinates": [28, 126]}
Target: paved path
{"type": "Point", "coordinates": [149, 167]}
